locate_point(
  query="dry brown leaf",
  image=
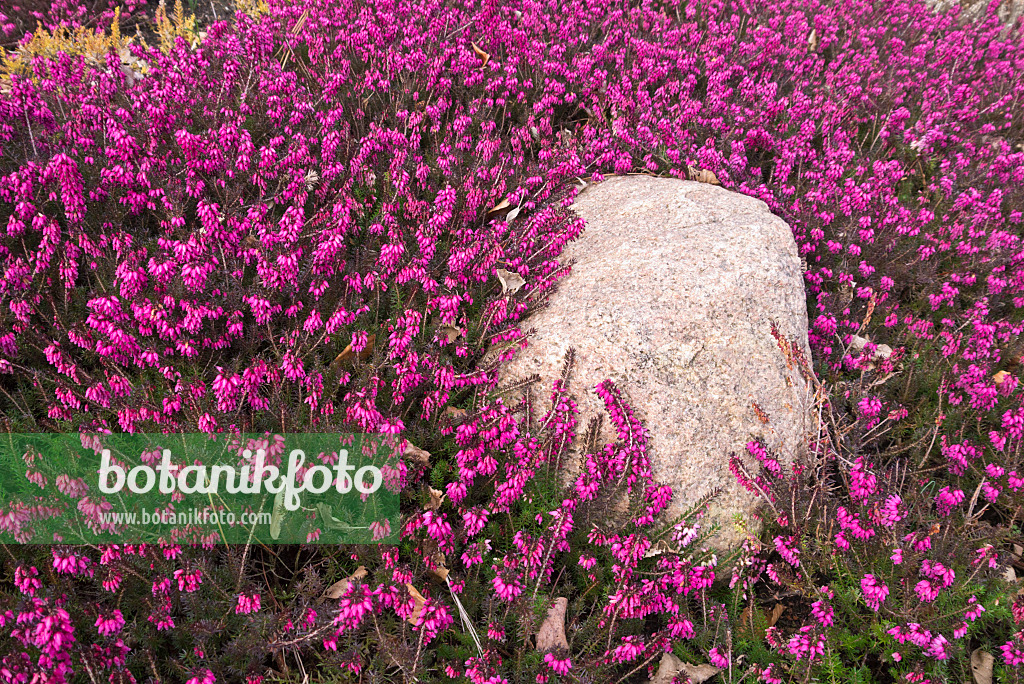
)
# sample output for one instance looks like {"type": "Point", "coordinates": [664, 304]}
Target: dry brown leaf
{"type": "Point", "coordinates": [435, 497]}
{"type": "Point", "coordinates": [481, 54]}
{"type": "Point", "coordinates": [743, 627]}
{"type": "Point", "coordinates": [456, 414]}
{"type": "Point", "coordinates": [418, 610]}
{"type": "Point", "coordinates": [981, 666]}
{"type": "Point", "coordinates": [502, 206]}
{"type": "Point", "coordinates": [440, 566]}
{"type": "Point", "coordinates": [702, 175]}
{"type": "Point", "coordinates": [812, 40]}
{"type": "Point", "coordinates": [347, 354]}
{"type": "Point", "coordinates": [657, 548]}
{"type": "Point", "coordinates": [451, 332]}
{"type": "Point", "coordinates": [510, 282]}
{"type": "Point", "coordinates": [745, 622]}
{"type": "Point", "coordinates": [1000, 377]}
{"type": "Point", "coordinates": [337, 589]}
{"type": "Point", "coordinates": [671, 666]}
{"type": "Point", "coordinates": [416, 455]}
{"type": "Point", "coordinates": [551, 634]}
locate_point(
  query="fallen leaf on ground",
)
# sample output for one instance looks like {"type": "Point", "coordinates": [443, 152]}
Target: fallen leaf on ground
{"type": "Point", "coordinates": [510, 282]}
{"type": "Point", "coordinates": [277, 515]}
{"type": "Point", "coordinates": [670, 666]}
{"type": "Point", "coordinates": [417, 455]}
{"type": "Point", "coordinates": [451, 332]}
{"type": "Point", "coordinates": [812, 40]}
{"type": "Point", "coordinates": [981, 666]}
{"type": "Point", "coordinates": [481, 54]}
{"type": "Point", "coordinates": [657, 548]}
{"type": "Point", "coordinates": [347, 354]}
{"type": "Point", "coordinates": [702, 175]}
{"type": "Point", "coordinates": [551, 634]}
{"type": "Point", "coordinates": [1000, 377]}
{"type": "Point", "coordinates": [418, 610]}
{"type": "Point", "coordinates": [440, 563]}
{"type": "Point", "coordinates": [456, 414]}
{"type": "Point", "coordinates": [337, 589]}
{"type": "Point", "coordinates": [435, 497]}
{"type": "Point", "coordinates": [497, 208]}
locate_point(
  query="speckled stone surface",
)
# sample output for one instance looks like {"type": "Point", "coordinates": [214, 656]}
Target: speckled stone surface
{"type": "Point", "coordinates": [1008, 11]}
{"type": "Point", "coordinates": [671, 296]}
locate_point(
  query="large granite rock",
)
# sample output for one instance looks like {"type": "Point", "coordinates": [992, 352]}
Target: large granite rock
{"type": "Point", "coordinates": [1008, 11]}
{"type": "Point", "coordinates": [671, 297]}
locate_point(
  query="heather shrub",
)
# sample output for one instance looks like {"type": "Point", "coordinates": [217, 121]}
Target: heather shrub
{"type": "Point", "coordinates": [22, 17]}
{"type": "Point", "coordinates": [886, 578]}
{"type": "Point", "coordinates": [295, 221]}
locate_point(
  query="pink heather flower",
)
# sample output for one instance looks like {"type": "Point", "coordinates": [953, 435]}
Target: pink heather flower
{"type": "Point", "coordinates": [1018, 609]}
{"type": "Point", "coordinates": [496, 631]}
{"type": "Point", "coordinates": [1012, 653]}
{"type": "Point", "coordinates": [110, 624]}
{"type": "Point", "coordinates": [875, 591]}
{"type": "Point", "coordinates": [787, 548]}
{"type": "Point", "coordinates": [938, 648]}
{"type": "Point", "coordinates": [862, 481]}
{"type": "Point", "coordinates": [505, 589]}
{"type": "Point", "coordinates": [188, 581]}
{"type": "Point", "coordinates": [823, 612]}
{"type": "Point", "coordinates": [870, 407]}
{"type": "Point", "coordinates": [768, 677]}
{"type": "Point", "coordinates": [888, 514]}
{"type": "Point", "coordinates": [71, 564]}
{"type": "Point", "coordinates": [162, 623]}
{"type": "Point", "coordinates": [805, 644]}
{"type": "Point", "coordinates": [628, 651]}
{"type": "Point", "coordinates": [925, 591]}
{"type": "Point", "coordinates": [681, 629]}
{"type": "Point", "coordinates": [937, 571]}
{"type": "Point", "coordinates": [206, 678]}
{"type": "Point", "coordinates": [974, 609]}
{"type": "Point", "coordinates": [247, 604]}
{"type": "Point", "coordinates": [561, 666]}
{"type": "Point", "coordinates": [380, 529]}
{"type": "Point", "coordinates": [27, 581]}
{"type": "Point", "coordinates": [897, 556]}
{"type": "Point", "coordinates": [718, 659]}
{"type": "Point", "coordinates": [986, 553]}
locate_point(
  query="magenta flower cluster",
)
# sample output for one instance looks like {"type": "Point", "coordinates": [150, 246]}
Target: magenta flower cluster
{"type": "Point", "coordinates": [297, 224]}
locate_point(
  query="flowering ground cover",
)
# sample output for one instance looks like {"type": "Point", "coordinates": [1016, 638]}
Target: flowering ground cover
{"type": "Point", "coordinates": [292, 219]}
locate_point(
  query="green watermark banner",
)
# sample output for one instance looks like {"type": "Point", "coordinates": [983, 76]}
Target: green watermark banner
{"type": "Point", "coordinates": [199, 488]}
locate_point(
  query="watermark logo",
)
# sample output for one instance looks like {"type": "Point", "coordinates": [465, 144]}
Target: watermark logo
{"type": "Point", "coordinates": [274, 489]}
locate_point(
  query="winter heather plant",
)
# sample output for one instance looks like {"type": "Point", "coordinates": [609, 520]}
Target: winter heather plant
{"type": "Point", "coordinates": [292, 221]}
